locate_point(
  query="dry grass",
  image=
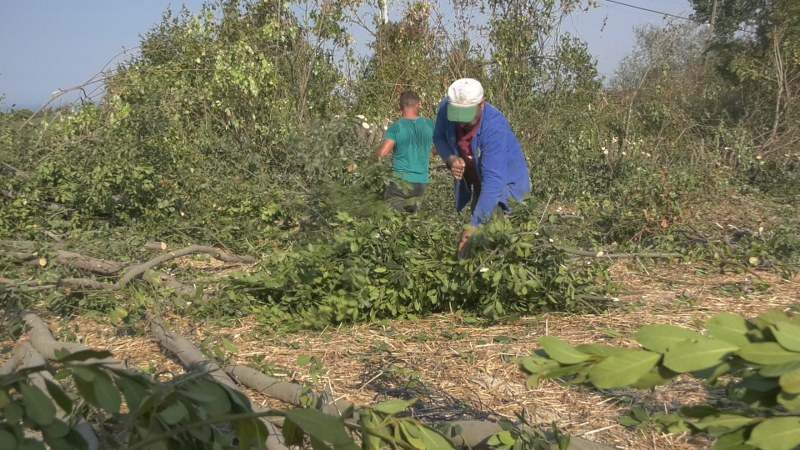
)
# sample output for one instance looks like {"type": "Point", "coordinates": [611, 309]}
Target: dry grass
{"type": "Point", "coordinates": [463, 370]}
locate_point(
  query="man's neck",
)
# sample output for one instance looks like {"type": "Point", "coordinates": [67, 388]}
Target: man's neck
{"type": "Point", "coordinates": [411, 115]}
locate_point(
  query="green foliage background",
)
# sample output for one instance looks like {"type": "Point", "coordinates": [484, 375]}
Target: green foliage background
{"type": "Point", "coordinates": [252, 124]}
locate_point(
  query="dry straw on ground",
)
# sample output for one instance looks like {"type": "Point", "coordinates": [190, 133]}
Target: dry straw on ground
{"type": "Point", "coordinates": [461, 370]}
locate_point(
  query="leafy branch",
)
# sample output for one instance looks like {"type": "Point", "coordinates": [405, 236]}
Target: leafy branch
{"type": "Point", "coordinates": [757, 362]}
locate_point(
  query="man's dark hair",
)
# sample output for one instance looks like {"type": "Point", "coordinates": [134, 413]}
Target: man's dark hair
{"type": "Point", "coordinates": [408, 99]}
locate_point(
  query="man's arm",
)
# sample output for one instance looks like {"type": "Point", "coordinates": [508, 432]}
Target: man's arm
{"type": "Point", "coordinates": [443, 148]}
{"type": "Point", "coordinates": [385, 149]}
{"type": "Point", "coordinates": [440, 134]}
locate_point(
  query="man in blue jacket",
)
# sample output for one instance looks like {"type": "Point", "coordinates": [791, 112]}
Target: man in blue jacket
{"type": "Point", "coordinates": [484, 156]}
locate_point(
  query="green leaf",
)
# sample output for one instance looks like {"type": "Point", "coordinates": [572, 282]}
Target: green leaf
{"type": "Point", "coordinates": [58, 395]}
{"type": "Point", "coordinates": [788, 335]}
{"type": "Point", "coordinates": [772, 317]}
{"type": "Point", "coordinates": [767, 353]}
{"type": "Point", "coordinates": [778, 433]}
{"type": "Point", "coordinates": [430, 439]}
{"type": "Point", "coordinates": [133, 389]}
{"type": "Point", "coordinates": [597, 349]}
{"type": "Point", "coordinates": [394, 406]}
{"type": "Point", "coordinates": [57, 429]}
{"type": "Point", "coordinates": [4, 400]}
{"type": "Point", "coordinates": [214, 398]}
{"type": "Point", "coordinates": [562, 352]}
{"type": "Point", "coordinates": [722, 423]}
{"type": "Point", "coordinates": [657, 376]}
{"type": "Point", "coordinates": [13, 413]}
{"type": "Point", "coordinates": [251, 433]}
{"type": "Point", "coordinates": [659, 338]}
{"type": "Point", "coordinates": [292, 434]}
{"type": "Point", "coordinates": [323, 427]}
{"type": "Point", "coordinates": [229, 346]}
{"type": "Point", "coordinates": [536, 364]}
{"type": "Point", "coordinates": [790, 382]}
{"type": "Point", "coordinates": [30, 444]}
{"type": "Point", "coordinates": [410, 434]}
{"type": "Point", "coordinates": [779, 369]}
{"type": "Point", "coordinates": [729, 327]}
{"type": "Point", "coordinates": [711, 374]}
{"type": "Point", "coordinates": [689, 356]}
{"type": "Point", "coordinates": [84, 373]}
{"type": "Point", "coordinates": [623, 368]}
{"type": "Point", "coordinates": [733, 441]}
{"type": "Point", "coordinates": [83, 355]}
{"type": "Point", "coordinates": [368, 419]}
{"type": "Point", "coordinates": [698, 411]}
{"type": "Point", "coordinates": [506, 438]}
{"type": "Point", "coordinates": [106, 393]}
{"type": "Point", "coordinates": [37, 406]}
{"type": "Point", "coordinates": [174, 413]}
{"type": "Point", "coordinates": [628, 421]}
{"type": "Point", "coordinates": [789, 401]}
{"type": "Point", "coordinates": [7, 440]}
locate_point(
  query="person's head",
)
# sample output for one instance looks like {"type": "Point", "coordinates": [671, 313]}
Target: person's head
{"type": "Point", "coordinates": [464, 100]}
{"type": "Point", "coordinates": [409, 102]}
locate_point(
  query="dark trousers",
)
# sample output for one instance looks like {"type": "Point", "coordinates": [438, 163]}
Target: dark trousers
{"type": "Point", "coordinates": [404, 196]}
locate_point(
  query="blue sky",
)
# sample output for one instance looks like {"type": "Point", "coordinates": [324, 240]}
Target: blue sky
{"type": "Point", "coordinates": [50, 44]}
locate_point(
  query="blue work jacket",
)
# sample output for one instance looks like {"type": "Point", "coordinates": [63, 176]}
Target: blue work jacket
{"type": "Point", "coordinates": [502, 168]}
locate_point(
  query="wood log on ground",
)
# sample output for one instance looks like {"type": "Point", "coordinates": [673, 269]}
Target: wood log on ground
{"type": "Point", "coordinates": [287, 392]}
{"type": "Point", "coordinates": [158, 278]}
{"type": "Point", "coordinates": [42, 340]}
{"type": "Point", "coordinates": [191, 359]}
{"type": "Point", "coordinates": [88, 263]}
{"type": "Point", "coordinates": [156, 246]}
{"type": "Point", "coordinates": [136, 270]}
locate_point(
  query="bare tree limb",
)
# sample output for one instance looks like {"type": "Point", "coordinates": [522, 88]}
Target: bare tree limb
{"type": "Point", "coordinates": [191, 358]}
{"type": "Point", "coordinates": [135, 271]}
{"type": "Point", "coordinates": [88, 263]}
{"type": "Point", "coordinates": [43, 341]}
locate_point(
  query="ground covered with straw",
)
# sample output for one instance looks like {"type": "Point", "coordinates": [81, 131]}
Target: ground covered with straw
{"type": "Point", "coordinates": [460, 369]}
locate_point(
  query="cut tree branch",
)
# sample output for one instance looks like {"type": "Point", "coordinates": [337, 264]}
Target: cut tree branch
{"type": "Point", "coordinates": [135, 271]}
{"type": "Point", "coordinates": [41, 338]}
{"type": "Point", "coordinates": [191, 358]}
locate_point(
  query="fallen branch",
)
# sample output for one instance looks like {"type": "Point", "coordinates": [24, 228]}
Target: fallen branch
{"type": "Point", "coordinates": [43, 342]}
{"type": "Point", "coordinates": [156, 246]}
{"type": "Point", "coordinates": [191, 358]}
{"type": "Point", "coordinates": [157, 278]}
{"type": "Point", "coordinates": [601, 254]}
{"type": "Point", "coordinates": [135, 271]}
{"type": "Point", "coordinates": [88, 263]}
{"type": "Point", "coordinates": [292, 393]}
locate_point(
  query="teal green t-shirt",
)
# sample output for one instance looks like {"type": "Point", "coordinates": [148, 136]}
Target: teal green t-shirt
{"type": "Point", "coordinates": [413, 140]}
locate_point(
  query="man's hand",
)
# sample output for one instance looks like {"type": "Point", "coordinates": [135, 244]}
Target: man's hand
{"type": "Point", "coordinates": [464, 240]}
{"type": "Point", "coordinates": [456, 166]}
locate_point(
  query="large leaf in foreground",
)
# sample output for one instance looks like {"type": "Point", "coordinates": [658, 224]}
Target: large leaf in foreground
{"type": "Point", "coordinates": [729, 327]}
{"type": "Point", "coordinates": [561, 351]}
{"type": "Point", "coordinates": [767, 353]}
{"type": "Point", "coordinates": [659, 338]}
{"type": "Point", "coordinates": [623, 368]}
{"type": "Point", "coordinates": [689, 356]}
{"type": "Point", "coordinates": [778, 433]}
{"type": "Point", "coordinates": [322, 427]}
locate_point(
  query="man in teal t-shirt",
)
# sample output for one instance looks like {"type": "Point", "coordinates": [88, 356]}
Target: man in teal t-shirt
{"type": "Point", "coordinates": [411, 139]}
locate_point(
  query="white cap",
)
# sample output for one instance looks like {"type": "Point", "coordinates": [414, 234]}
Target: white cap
{"type": "Point", "coordinates": [465, 92]}
{"type": "Point", "coordinates": [463, 97]}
